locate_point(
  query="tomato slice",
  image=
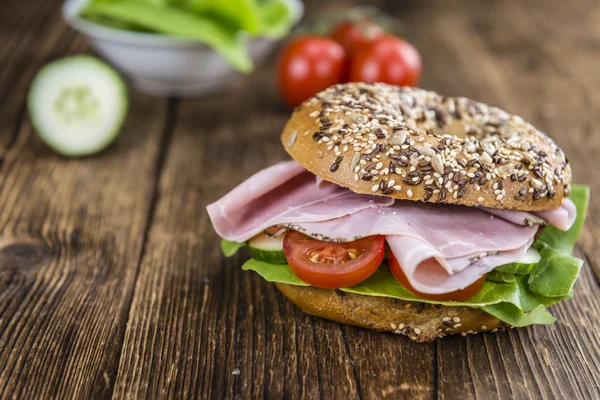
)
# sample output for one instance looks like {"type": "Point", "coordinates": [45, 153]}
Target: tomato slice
{"type": "Point", "coordinates": [333, 265]}
{"type": "Point", "coordinates": [459, 295]}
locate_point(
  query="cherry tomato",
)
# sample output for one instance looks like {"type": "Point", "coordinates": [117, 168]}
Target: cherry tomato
{"type": "Point", "coordinates": [459, 295]}
{"type": "Point", "coordinates": [388, 60]}
{"type": "Point", "coordinates": [333, 265]}
{"type": "Point", "coordinates": [308, 65]}
{"type": "Point", "coordinates": [350, 35]}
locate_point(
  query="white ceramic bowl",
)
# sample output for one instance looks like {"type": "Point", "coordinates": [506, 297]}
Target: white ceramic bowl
{"type": "Point", "coordinates": [162, 65]}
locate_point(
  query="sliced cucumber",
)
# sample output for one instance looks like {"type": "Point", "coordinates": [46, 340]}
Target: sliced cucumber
{"type": "Point", "coordinates": [267, 248]}
{"type": "Point", "coordinates": [497, 276]}
{"type": "Point", "coordinates": [77, 105]}
{"type": "Point", "coordinates": [524, 266]}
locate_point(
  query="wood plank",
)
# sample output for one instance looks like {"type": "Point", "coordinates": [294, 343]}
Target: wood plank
{"type": "Point", "coordinates": [74, 231]}
{"type": "Point", "coordinates": [546, 362]}
{"type": "Point", "coordinates": [71, 238]}
{"type": "Point", "coordinates": [33, 40]}
{"type": "Point", "coordinates": [239, 323]}
{"type": "Point", "coordinates": [574, 53]}
{"type": "Point", "coordinates": [82, 221]}
{"type": "Point", "coordinates": [556, 361]}
{"type": "Point", "coordinates": [388, 366]}
{"type": "Point", "coordinates": [196, 318]}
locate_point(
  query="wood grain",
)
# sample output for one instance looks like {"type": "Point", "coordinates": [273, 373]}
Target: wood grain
{"type": "Point", "coordinates": [71, 234]}
{"type": "Point", "coordinates": [111, 280]}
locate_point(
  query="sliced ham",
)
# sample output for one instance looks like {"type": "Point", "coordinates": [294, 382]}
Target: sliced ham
{"type": "Point", "coordinates": [562, 218]}
{"type": "Point", "coordinates": [441, 248]}
{"type": "Point", "coordinates": [267, 199]}
{"type": "Point", "coordinates": [429, 271]}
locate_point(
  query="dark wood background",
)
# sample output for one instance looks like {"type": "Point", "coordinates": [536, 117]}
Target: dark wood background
{"type": "Point", "coordinates": [111, 278]}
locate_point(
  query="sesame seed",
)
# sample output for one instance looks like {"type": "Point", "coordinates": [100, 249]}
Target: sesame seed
{"type": "Point", "coordinates": [457, 326]}
{"type": "Point", "coordinates": [409, 193]}
{"type": "Point", "coordinates": [375, 188]}
{"type": "Point", "coordinates": [437, 164]}
{"type": "Point", "coordinates": [417, 331]}
{"type": "Point", "coordinates": [480, 199]}
{"type": "Point", "coordinates": [456, 319]}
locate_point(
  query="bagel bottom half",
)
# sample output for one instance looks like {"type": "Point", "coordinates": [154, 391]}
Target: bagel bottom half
{"type": "Point", "coordinates": [421, 322]}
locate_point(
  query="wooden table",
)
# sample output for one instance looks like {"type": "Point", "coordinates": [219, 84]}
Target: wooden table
{"type": "Point", "coordinates": [111, 278]}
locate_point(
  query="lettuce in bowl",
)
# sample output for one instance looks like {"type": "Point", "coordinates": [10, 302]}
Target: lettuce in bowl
{"type": "Point", "coordinates": [222, 25]}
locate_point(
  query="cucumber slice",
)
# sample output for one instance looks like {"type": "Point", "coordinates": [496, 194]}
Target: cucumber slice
{"type": "Point", "coordinates": [524, 266]}
{"type": "Point", "coordinates": [77, 105]}
{"type": "Point", "coordinates": [497, 276]}
{"type": "Point", "coordinates": [267, 248]}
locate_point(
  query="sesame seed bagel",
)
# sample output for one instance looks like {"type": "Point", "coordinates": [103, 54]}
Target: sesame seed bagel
{"type": "Point", "coordinates": [421, 322]}
{"type": "Point", "coordinates": [414, 144]}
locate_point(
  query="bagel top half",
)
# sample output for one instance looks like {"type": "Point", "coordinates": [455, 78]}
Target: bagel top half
{"type": "Point", "coordinates": [414, 144]}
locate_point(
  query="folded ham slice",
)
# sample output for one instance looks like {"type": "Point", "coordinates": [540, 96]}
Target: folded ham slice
{"type": "Point", "coordinates": [283, 193]}
{"type": "Point", "coordinates": [562, 218]}
{"type": "Point", "coordinates": [441, 248]}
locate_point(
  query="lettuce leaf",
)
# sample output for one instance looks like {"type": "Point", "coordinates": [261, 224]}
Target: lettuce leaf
{"type": "Point", "coordinates": [276, 18]}
{"type": "Point", "coordinates": [382, 283]}
{"type": "Point", "coordinates": [230, 248]}
{"type": "Point", "coordinates": [557, 271]}
{"type": "Point", "coordinates": [512, 315]}
{"type": "Point", "coordinates": [555, 274]}
{"type": "Point", "coordinates": [281, 273]}
{"type": "Point", "coordinates": [272, 18]}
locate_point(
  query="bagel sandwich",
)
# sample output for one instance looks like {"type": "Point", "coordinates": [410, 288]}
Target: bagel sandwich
{"type": "Point", "coordinates": [410, 212]}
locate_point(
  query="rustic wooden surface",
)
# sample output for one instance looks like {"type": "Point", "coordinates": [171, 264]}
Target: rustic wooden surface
{"type": "Point", "coordinates": [111, 280]}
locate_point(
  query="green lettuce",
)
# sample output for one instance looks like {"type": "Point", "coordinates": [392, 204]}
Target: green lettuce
{"type": "Point", "coordinates": [512, 302]}
{"type": "Point", "coordinates": [558, 270]}
{"type": "Point", "coordinates": [521, 301]}
{"type": "Point", "coordinates": [222, 25]}
{"type": "Point", "coordinates": [281, 273]}
{"type": "Point", "coordinates": [230, 248]}
{"type": "Point", "coordinates": [514, 316]}
{"type": "Point", "coordinates": [499, 276]}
